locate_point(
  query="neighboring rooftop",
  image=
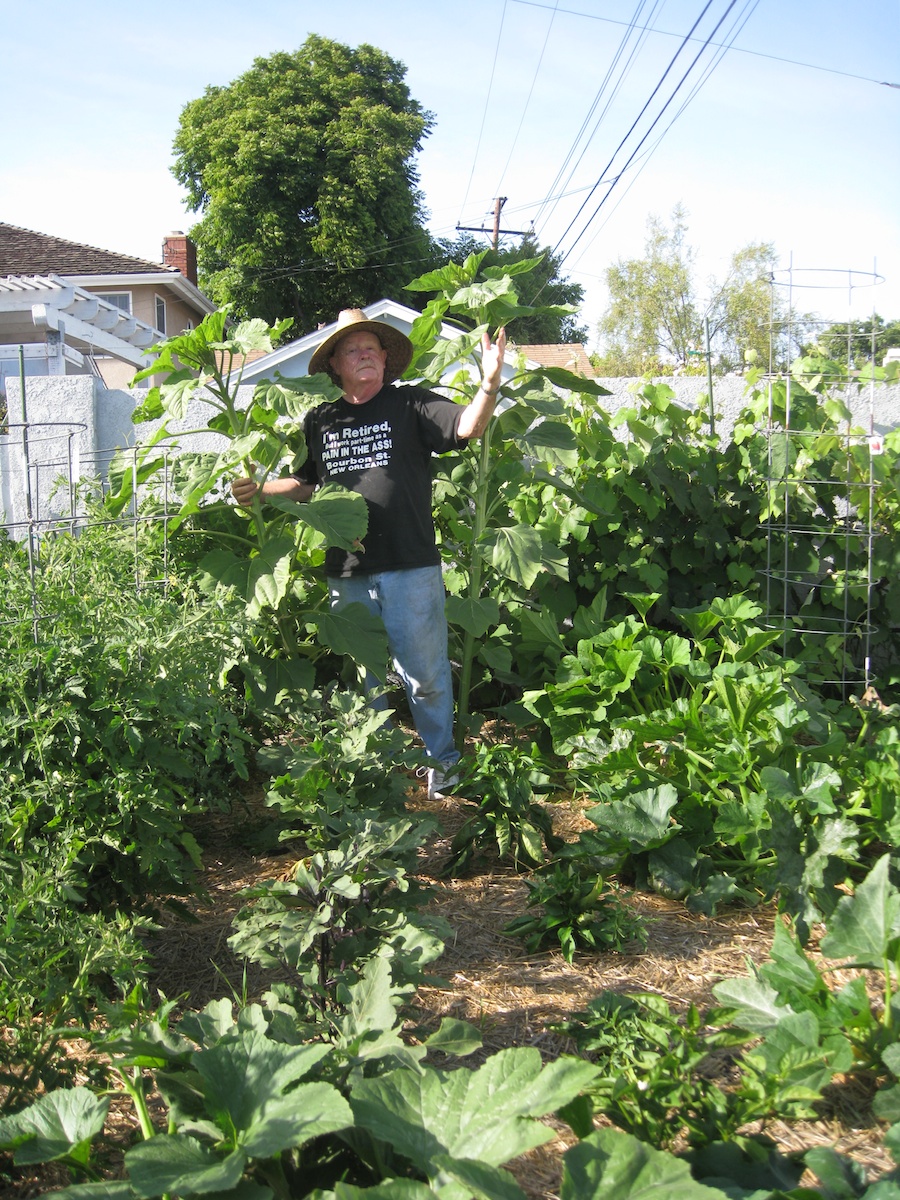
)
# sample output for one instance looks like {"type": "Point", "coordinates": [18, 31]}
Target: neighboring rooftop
{"type": "Point", "coordinates": [24, 252]}
{"type": "Point", "coordinates": [572, 356]}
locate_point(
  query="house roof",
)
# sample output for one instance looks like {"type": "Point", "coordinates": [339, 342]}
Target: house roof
{"type": "Point", "coordinates": [572, 356]}
{"type": "Point", "coordinates": [24, 252]}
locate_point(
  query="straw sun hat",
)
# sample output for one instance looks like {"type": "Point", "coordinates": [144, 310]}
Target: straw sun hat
{"type": "Point", "coordinates": [353, 320]}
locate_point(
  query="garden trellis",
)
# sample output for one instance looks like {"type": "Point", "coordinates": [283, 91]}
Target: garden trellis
{"type": "Point", "coordinates": [49, 485]}
{"type": "Point", "coordinates": [830, 545]}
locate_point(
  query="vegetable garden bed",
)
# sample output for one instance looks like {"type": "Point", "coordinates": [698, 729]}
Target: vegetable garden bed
{"type": "Point", "coordinates": [513, 998]}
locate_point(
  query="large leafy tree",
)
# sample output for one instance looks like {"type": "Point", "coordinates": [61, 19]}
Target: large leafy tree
{"type": "Point", "coordinates": [860, 342]}
{"type": "Point", "coordinates": [303, 171]}
{"type": "Point", "coordinates": [746, 314]}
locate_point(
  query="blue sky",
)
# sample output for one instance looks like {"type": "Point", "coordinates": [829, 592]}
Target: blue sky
{"type": "Point", "coordinates": [792, 137]}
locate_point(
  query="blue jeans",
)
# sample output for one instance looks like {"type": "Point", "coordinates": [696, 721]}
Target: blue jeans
{"type": "Point", "coordinates": [411, 605]}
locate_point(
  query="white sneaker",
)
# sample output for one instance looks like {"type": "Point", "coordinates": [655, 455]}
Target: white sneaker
{"type": "Point", "coordinates": [441, 784]}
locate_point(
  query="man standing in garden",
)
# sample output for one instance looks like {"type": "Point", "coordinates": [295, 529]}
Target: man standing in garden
{"type": "Point", "coordinates": [378, 440]}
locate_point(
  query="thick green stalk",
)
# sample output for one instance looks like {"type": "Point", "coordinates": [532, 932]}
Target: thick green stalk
{"type": "Point", "coordinates": [476, 565]}
{"type": "Point", "coordinates": [238, 429]}
{"type": "Point", "coordinates": [134, 1086]}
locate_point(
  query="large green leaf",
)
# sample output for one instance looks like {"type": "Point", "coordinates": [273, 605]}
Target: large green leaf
{"type": "Point", "coordinates": [341, 517]}
{"type": "Point", "coordinates": [369, 1026]}
{"type": "Point", "coordinates": [788, 967]}
{"type": "Point", "coordinates": [865, 927]}
{"type": "Point", "coordinates": [485, 292]}
{"type": "Point", "coordinates": [261, 581]}
{"type": "Point", "coordinates": [644, 820]}
{"type": "Point", "coordinates": [473, 615]}
{"type": "Point", "coordinates": [58, 1124]}
{"type": "Point", "coordinates": [181, 1164]}
{"type": "Point", "coordinates": [177, 393]}
{"type": "Point", "coordinates": [796, 1052]}
{"type": "Point", "coordinates": [434, 363]}
{"type": "Point", "coordinates": [756, 1004]}
{"type": "Point", "coordinates": [817, 784]}
{"type": "Point", "coordinates": [295, 396]}
{"type": "Point", "coordinates": [227, 568]}
{"type": "Point", "coordinates": [516, 552]}
{"type": "Point", "coordinates": [477, 1179]}
{"type": "Point", "coordinates": [255, 334]}
{"type": "Point", "coordinates": [130, 469]}
{"type": "Point", "coordinates": [269, 574]}
{"type": "Point", "coordinates": [454, 1037]}
{"type": "Point", "coordinates": [308, 1111]}
{"type": "Point", "coordinates": [551, 442]}
{"type": "Point", "coordinates": [355, 631]}
{"type": "Point", "coordinates": [562, 378]}
{"type": "Point", "coordinates": [243, 1076]}
{"type": "Point", "coordinates": [389, 1189]}
{"type": "Point", "coordinates": [611, 1165]}
{"type": "Point", "coordinates": [112, 1189]}
{"type": "Point", "coordinates": [842, 1178]}
{"type": "Point", "coordinates": [270, 680]}
{"type": "Point", "coordinates": [447, 278]}
{"type": "Point", "coordinates": [487, 1114]}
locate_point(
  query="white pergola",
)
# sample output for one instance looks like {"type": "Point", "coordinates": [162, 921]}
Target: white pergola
{"type": "Point", "coordinates": [55, 320]}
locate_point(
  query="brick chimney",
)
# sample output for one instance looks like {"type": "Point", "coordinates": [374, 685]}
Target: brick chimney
{"type": "Point", "coordinates": [180, 252]}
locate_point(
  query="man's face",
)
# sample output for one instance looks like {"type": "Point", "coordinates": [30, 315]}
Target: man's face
{"type": "Point", "coordinates": [359, 359]}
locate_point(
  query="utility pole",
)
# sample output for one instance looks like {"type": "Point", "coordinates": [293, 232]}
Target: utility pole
{"type": "Point", "coordinates": [499, 201]}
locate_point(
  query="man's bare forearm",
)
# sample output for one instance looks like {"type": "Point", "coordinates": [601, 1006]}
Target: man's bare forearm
{"type": "Point", "coordinates": [246, 488]}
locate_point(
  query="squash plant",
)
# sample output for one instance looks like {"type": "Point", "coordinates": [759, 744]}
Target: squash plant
{"type": "Point", "coordinates": [718, 775]}
{"type": "Point", "coordinates": [254, 1112]}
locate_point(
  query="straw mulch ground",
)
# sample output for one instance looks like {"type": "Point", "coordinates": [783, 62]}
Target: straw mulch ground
{"type": "Point", "coordinates": [513, 997]}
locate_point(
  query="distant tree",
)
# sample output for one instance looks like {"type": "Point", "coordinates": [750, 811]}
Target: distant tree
{"type": "Point", "coordinates": [542, 286]}
{"type": "Point", "coordinates": [656, 320]}
{"type": "Point", "coordinates": [745, 309]}
{"type": "Point", "coordinates": [860, 342]}
{"type": "Point", "coordinates": [652, 317]}
{"type": "Point", "coordinates": [303, 171]}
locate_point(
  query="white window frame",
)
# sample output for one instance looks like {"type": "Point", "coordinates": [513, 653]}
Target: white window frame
{"type": "Point", "coordinates": [159, 309]}
{"type": "Point", "coordinates": [116, 299]}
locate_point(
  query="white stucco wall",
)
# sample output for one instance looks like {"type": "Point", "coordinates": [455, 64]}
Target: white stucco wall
{"type": "Point", "coordinates": [76, 424]}
{"type": "Point", "coordinates": [875, 406]}
{"type": "Point", "coordinates": [61, 433]}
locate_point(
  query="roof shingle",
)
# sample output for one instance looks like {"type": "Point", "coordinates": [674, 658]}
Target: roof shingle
{"type": "Point", "coordinates": [24, 252]}
{"type": "Point", "coordinates": [572, 356]}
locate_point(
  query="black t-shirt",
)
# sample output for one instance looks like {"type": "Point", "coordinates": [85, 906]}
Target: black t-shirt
{"type": "Point", "coordinates": [382, 449]}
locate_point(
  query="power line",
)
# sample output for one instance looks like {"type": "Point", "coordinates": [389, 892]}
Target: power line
{"type": "Point", "coordinates": [487, 102]}
{"type": "Point", "coordinates": [687, 38]}
{"type": "Point", "coordinates": [742, 18]}
{"type": "Point", "coordinates": [793, 62]}
{"type": "Point", "coordinates": [537, 71]}
{"type": "Point", "coordinates": [557, 182]}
